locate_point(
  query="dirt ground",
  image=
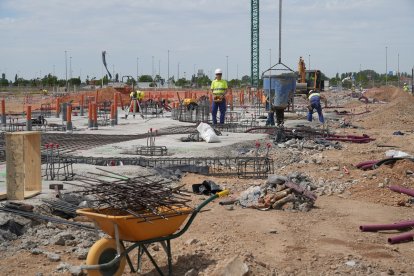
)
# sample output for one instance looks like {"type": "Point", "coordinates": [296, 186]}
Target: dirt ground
{"type": "Point", "coordinates": [324, 241]}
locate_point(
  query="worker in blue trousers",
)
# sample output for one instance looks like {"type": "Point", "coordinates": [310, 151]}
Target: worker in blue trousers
{"type": "Point", "coordinates": [219, 89]}
{"type": "Point", "coordinates": [315, 104]}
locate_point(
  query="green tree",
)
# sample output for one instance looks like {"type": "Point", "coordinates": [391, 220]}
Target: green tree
{"type": "Point", "coordinates": [145, 78]}
{"type": "Point", "coordinates": [182, 82]}
{"type": "Point", "coordinates": [3, 80]}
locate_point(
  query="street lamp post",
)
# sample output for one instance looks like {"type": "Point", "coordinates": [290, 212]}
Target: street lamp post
{"type": "Point", "coordinates": [66, 69]}
{"type": "Point", "coordinates": [168, 69]}
{"type": "Point", "coordinates": [137, 70]}
{"type": "Point", "coordinates": [309, 61]}
{"type": "Point", "coordinates": [386, 64]}
{"type": "Point", "coordinates": [398, 70]}
{"type": "Point", "coordinates": [227, 67]}
{"type": "Point", "coordinates": [152, 68]}
{"type": "Point", "coordinates": [178, 71]}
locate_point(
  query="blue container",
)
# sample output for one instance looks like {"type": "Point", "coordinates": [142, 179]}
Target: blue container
{"type": "Point", "coordinates": [278, 89]}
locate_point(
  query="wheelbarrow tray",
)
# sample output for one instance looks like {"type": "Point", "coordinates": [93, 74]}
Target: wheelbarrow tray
{"type": "Point", "coordinates": [134, 229]}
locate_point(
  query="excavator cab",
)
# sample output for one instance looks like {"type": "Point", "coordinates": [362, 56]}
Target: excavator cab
{"type": "Point", "coordinates": [308, 79]}
{"type": "Point", "coordinates": [314, 80]}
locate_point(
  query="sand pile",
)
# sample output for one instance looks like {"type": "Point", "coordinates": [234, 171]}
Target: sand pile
{"type": "Point", "coordinates": [374, 188]}
{"type": "Point", "coordinates": [397, 114]}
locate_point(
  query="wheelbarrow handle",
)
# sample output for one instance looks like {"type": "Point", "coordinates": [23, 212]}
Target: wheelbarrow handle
{"type": "Point", "coordinates": [211, 198]}
{"type": "Point", "coordinates": [196, 211]}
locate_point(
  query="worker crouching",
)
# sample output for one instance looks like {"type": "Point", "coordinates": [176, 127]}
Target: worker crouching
{"type": "Point", "coordinates": [219, 89]}
{"type": "Point", "coordinates": [136, 97]}
{"type": "Point", "coordinates": [315, 104]}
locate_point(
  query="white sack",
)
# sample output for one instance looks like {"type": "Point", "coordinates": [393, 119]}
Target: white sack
{"type": "Point", "coordinates": [207, 133]}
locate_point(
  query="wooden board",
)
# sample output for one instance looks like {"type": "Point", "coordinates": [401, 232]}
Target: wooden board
{"type": "Point", "coordinates": [14, 166]}
{"type": "Point", "coordinates": [23, 164]}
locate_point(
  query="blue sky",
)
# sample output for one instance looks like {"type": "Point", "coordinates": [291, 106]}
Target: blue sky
{"type": "Point", "coordinates": [339, 35]}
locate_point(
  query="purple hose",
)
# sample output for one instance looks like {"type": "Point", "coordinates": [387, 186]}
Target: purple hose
{"type": "Point", "coordinates": [401, 238]}
{"type": "Point", "coordinates": [394, 226]}
{"type": "Point", "coordinates": [368, 166]}
{"type": "Point", "coordinates": [402, 190]}
{"type": "Point", "coordinates": [369, 162]}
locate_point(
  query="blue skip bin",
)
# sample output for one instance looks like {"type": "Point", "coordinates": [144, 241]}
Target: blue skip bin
{"type": "Point", "coordinates": [279, 89]}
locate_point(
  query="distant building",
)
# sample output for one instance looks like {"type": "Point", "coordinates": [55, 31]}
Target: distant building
{"type": "Point", "coordinates": [200, 73]}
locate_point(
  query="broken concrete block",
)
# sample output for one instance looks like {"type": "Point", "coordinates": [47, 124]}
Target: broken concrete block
{"type": "Point", "coordinates": [231, 267]}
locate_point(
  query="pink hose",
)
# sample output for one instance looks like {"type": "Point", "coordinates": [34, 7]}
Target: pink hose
{"type": "Point", "coordinates": [402, 190]}
{"type": "Point", "coordinates": [394, 226]}
{"type": "Point", "coordinates": [401, 238]}
{"type": "Point", "coordinates": [361, 164]}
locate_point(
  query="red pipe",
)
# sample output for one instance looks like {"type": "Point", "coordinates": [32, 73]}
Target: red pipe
{"type": "Point", "coordinates": [395, 226]}
{"type": "Point", "coordinates": [368, 166]}
{"type": "Point", "coordinates": [401, 238]}
{"type": "Point", "coordinates": [28, 113]}
{"type": "Point", "coordinates": [3, 107]}
{"type": "Point", "coordinates": [402, 190]}
{"type": "Point", "coordinates": [370, 162]}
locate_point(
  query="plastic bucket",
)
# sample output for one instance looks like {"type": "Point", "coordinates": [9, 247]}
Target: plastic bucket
{"type": "Point", "coordinates": [279, 89]}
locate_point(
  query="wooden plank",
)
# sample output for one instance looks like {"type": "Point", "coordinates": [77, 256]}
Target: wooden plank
{"type": "Point", "coordinates": [23, 165]}
{"type": "Point", "coordinates": [29, 194]}
{"type": "Point", "coordinates": [3, 196]}
{"type": "Point", "coordinates": [14, 166]}
{"type": "Point", "coordinates": [32, 169]}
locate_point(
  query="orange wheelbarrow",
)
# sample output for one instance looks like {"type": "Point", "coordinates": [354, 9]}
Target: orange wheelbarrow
{"type": "Point", "coordinates": [108, 256]}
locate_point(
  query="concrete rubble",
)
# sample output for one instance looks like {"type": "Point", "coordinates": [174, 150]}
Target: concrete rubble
{"type": "Point", "coordinates": [279, 192]}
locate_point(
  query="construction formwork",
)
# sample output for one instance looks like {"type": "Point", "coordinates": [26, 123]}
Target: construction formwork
{"type": "Point", "coordinates": [242, 167]}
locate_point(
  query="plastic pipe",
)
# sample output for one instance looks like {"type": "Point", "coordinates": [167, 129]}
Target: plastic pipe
{"type": "Point", "coordinates": [28, 118]}
{"type": "Point", "coordinates": [361, 164]}
{"type": "Point", "coordinates": [82, 103]}
{"type": "Point", "coordinates": [90, 124]}
{"type": "Point", "coordinates": [57, 107]}
{"type": "Point", "coordinates": [69, 117]}
{"type": "Point", "coordinates": [3, 113]}
{"type": "Point", "coordinates": [401, 238]}
{"type": "Point", "coordinates": [95, 115]}
{"type": "Point", "coordinates": [402, 190]}
{"type": "Point", "coordinates": [368, 166]}
{"type": "Point", "coordinates": [115, 107]}
{"type": "Point", "coordinates": [394, 226]}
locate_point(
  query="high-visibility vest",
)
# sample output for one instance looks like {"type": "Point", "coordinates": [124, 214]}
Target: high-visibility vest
{"type": "Point", "coordinates": [219, 87]}
{"type": "Point", "coordinates": [137, 95]}
{"type": "Point", "coordinates": [314, 95]}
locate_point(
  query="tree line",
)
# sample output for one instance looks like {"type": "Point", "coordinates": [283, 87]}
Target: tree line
{"type": "Point", "coordinates": [365, 78]}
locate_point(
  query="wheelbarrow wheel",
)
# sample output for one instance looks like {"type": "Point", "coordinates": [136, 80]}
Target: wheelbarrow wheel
{"type": "Point", "coordinates": [104, 251]}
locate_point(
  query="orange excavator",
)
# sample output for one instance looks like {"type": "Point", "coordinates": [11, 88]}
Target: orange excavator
{"type": "Point", "coordinates": [308, 79]}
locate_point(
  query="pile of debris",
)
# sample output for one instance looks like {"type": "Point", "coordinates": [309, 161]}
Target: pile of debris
{"type": "Point", "coordinates": [283, 193]}
{"type": "Point", "coordinates": [310, 144]}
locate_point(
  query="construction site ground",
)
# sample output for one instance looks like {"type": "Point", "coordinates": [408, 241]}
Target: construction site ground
{"type": "Point", "coordinates": [324, 241]}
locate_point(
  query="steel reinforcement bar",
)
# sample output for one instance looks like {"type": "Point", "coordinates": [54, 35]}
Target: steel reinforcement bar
{"type": "Point", "coordinates": [243, 167]}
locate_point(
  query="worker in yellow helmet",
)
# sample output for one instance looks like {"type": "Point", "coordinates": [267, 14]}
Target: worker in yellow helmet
{"type": "Point", "coordinates": [219, 89]}
{"type": "Point", "coordinates": [136, 97]}
{"type": "Point", "coordinates": [405, 87]}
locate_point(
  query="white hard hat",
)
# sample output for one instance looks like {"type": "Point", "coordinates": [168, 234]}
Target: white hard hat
{"type": "Point", "coordinates": [218, 71]}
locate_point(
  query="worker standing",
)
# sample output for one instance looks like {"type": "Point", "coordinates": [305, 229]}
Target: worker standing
{"type": "Point", "coordinates": [405, 87]}
{"type": "Point", "coordinates": [136, 97]}
{"type": "Point", "coordinates": [219, 89]}
{"type": "Point", "coordinates": [270, 113]}
{"type": "Point", "coordinates": [315, 103]}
